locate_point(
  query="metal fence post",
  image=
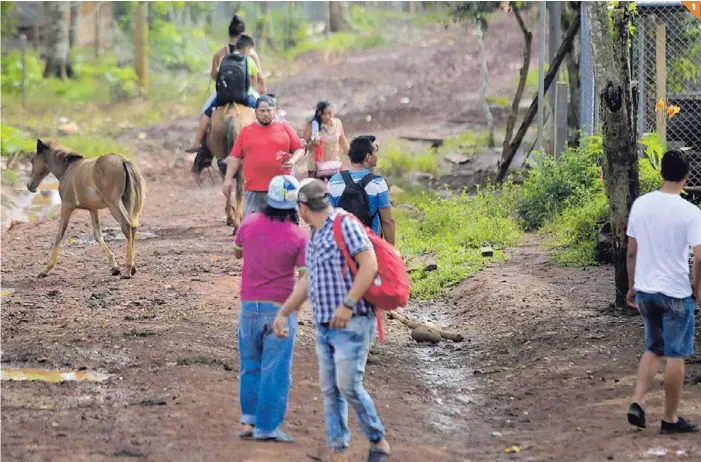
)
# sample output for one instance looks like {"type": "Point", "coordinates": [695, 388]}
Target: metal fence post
{"type": "Point", "coordinates": [562, 91]}
{"type": "Point", "coordinates": [541, 75]}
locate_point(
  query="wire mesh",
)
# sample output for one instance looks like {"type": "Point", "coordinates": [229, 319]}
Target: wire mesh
{"type": "Point", "coordinates": [666, 61]}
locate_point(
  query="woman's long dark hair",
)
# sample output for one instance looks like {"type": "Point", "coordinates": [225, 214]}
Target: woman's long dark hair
{"type": "Point", "coordinates": [281, 215]}
{"type": "Point", "coordinates": [320, 108]}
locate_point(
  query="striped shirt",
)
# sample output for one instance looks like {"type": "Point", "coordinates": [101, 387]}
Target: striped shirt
{"type": "Point", "coordinates": [378, 194]}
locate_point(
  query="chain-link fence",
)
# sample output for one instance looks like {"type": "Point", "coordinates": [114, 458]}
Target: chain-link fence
{"type": "Point", "coordinates": [666, 61]}
{"type": "Point", "coordinates": [666, 67]}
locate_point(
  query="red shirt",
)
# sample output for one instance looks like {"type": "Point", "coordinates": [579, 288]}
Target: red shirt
{"type": "Point", "coordinates": [257, 145]}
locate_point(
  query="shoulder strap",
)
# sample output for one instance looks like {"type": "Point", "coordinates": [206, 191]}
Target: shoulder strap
{"type": "Point", "coordinates": [367, 179]}
{"type": "Point", "coordinates": [338, 237]}
{"type": "Point", "coordinates": [347, 178]}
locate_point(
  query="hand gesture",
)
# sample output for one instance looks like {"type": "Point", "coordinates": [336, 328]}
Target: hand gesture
{"type": "Point", "coordinates": [280, 326]}
{"type": "Point", "coordinates": [341, 317]}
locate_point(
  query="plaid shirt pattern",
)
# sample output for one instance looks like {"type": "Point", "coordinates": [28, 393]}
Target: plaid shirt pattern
{"type": "Point", "coordinates": [328, 285]}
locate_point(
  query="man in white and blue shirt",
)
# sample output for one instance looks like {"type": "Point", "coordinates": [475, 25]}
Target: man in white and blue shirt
{"type": "Point", "coordinates": [363, 156]}
{"type": "Point", "coordinates": [345, 323]}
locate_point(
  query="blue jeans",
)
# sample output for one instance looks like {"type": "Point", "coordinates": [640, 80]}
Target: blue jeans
{"type": "Point", "coordinates": [342, 355]}
{"type": "Point", "coordinates": [213, 102]}
{"type": "Point", "coordinates": [669, 324]}
{"type": "Point", "coordinates": [266, 364]}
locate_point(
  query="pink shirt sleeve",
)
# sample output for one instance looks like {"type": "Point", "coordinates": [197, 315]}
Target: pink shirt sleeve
{"type": "Point", "coordinates": [301, 252]}
{"type": "Point", "coordinates": [240, 234]}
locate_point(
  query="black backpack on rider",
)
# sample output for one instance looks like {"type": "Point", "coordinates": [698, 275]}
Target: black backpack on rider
{"type": "Point", "coordinates": [233, 79]}
{"type": "Point", "coordinates": [355, 199]}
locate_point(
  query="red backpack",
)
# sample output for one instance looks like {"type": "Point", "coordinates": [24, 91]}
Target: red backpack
{"type": "Point", "coordinates": [391, 287]}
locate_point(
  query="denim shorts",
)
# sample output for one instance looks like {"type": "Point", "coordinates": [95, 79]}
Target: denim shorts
{"type": "Point", "coordinates": [669, 324]}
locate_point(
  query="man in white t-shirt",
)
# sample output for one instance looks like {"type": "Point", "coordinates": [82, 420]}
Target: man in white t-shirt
{"type": "Point", "coordinates": [662, 226]}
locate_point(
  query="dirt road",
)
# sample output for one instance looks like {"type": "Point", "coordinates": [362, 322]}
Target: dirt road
{"type": "Point", "coordinates": [544, 371]}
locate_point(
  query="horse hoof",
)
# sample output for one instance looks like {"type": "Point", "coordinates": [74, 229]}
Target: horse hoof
{"type": "Point", "coordinates": [229, 221]}
{"type": "Point", "coordinates": [126, 276]}
{"type": "Point", "coordinates": [42, 275]}
{"type": "Point", "coordinates": [133, 270]}
{"type": "Point", "coordinates": [115, 271]}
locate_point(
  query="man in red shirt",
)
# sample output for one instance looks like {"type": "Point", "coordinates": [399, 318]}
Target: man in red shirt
{"type": "Point", "coordinates": [265, 146]}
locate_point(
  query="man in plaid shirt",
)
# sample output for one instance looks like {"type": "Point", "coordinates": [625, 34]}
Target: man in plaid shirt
{"type": "Point", "coordinates": [345, 322]}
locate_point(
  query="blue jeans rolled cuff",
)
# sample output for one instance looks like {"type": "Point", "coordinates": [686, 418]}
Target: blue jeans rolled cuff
{"type": "Point", "coordinates": [266, 365]}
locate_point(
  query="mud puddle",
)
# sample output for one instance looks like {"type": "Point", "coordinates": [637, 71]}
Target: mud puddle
{"type": "Point", "coordinates": [18, 204]}
{"type": "Point", "coordinates": [110, 234]}
{"type": "Point", "coordinates": [51, 376]}
{"type": "Point", "coordinates": [452, 380]}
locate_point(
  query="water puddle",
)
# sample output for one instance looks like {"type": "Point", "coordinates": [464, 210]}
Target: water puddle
{"type": "Point", "coordinates": [7, 291]}
{"type": "Point", "coordinates": [44, 375]}
{"type": "Point", "coordinates": [18, 204]}
{"type": "Point", "coordinates": [446, 370]}
{"type": "Point", "coordinates": [110, 234]}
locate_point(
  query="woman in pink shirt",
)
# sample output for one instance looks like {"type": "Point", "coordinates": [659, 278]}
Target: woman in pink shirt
{"type": "Point", "coordinates": [273, 245]}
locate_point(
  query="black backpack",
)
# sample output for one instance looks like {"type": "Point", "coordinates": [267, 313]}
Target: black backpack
{"type": "Point", "coordinates": [355, 199]}
{"type": "Point", "coordinates": [233, 79]}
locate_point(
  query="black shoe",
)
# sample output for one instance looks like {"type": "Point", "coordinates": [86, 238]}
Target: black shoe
{"type": "Point", "coordinates": [636, 415]}
{"type": "Point", "coordinates": [680, 426]}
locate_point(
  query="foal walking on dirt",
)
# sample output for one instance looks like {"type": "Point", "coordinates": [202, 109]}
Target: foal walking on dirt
{"type": "Point", "coordinates": [109, 181]}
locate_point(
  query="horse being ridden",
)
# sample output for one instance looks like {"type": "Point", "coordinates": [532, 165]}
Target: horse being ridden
{"type": "Point", "coordinates": [109, 181]}
{"type": "Point", "coordinates": [226, 125]}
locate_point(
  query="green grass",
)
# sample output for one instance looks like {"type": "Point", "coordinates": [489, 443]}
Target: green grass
{"type": "Point", "coordinates": [339, 42]}
{"type": "Point", "coordinates": [396, 159]}
{"type": "Point", "coordinates": [93, 146]}
{"type": "Point", "coordinates": [499, 101]}
{"type": "Point", "coordinates": [453, 230]}
{"type": "Point", "coordinates": [13, 141]}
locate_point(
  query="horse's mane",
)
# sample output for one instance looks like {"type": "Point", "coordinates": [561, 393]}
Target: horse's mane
{"type": "Point", "coordinates": [63, 153]}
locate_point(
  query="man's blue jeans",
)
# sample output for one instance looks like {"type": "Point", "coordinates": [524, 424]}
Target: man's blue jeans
{"type": "Point", "coordinates": [266, 364]}
{"type": "Point", "coordinates": [342, 355]}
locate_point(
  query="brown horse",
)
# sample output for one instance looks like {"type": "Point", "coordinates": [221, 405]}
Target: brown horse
{"type": "Point", "coordinates": [227, 122]}
{"type": "Point", "coordinates": [109, 181]}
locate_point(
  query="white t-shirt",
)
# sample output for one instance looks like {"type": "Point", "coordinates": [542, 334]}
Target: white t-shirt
{"type": "Point", "coordinates": [664, 226]}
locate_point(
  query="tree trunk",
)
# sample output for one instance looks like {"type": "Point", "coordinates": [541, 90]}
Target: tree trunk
{"type": "Point", "coordinates": [509, 154]}
{"type": "Point", "coordinates": [262, 23]}
{"type": "Point", "coordinates": [74, 23]}
{"type": "Point", "coordinates": [57, 40]}
{"type": "Point", "coordinates": [98, 25]}
{"type": "Point", "coordinates": [339, 17]}
{"type": "Point", "coordinates": [575, 83]}
{"type": "Point", "coordinates": [523, 77]}
{"type": "Point", "coordinates": [141, 42]}
{"type": "Point", "coordinates": [610, 55]}
{"type": "Point", "coordinates": [483, 84]}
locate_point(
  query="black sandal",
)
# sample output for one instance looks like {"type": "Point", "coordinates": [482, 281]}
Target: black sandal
{"type": "Point", "coordinates": [636, 415]}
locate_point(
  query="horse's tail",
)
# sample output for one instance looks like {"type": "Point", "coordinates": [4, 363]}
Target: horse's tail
{"type": "Point", "coordinates": [134, 193]}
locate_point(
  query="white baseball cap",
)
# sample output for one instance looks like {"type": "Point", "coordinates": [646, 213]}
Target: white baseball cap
{"type": "Point", "coordinates": [282, 192]}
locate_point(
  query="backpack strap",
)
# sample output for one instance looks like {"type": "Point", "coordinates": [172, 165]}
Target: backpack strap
{"type": "Point", "coordinates": [347, 178]}
{"type": "Point", "coordinates": [341, 243]}
{"type": "Point", "coordinates": [338, 237]}
{"type": "Point", "coordinates": [367, 179]}
{"type": "Point", "coordinates": [364, 182]}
